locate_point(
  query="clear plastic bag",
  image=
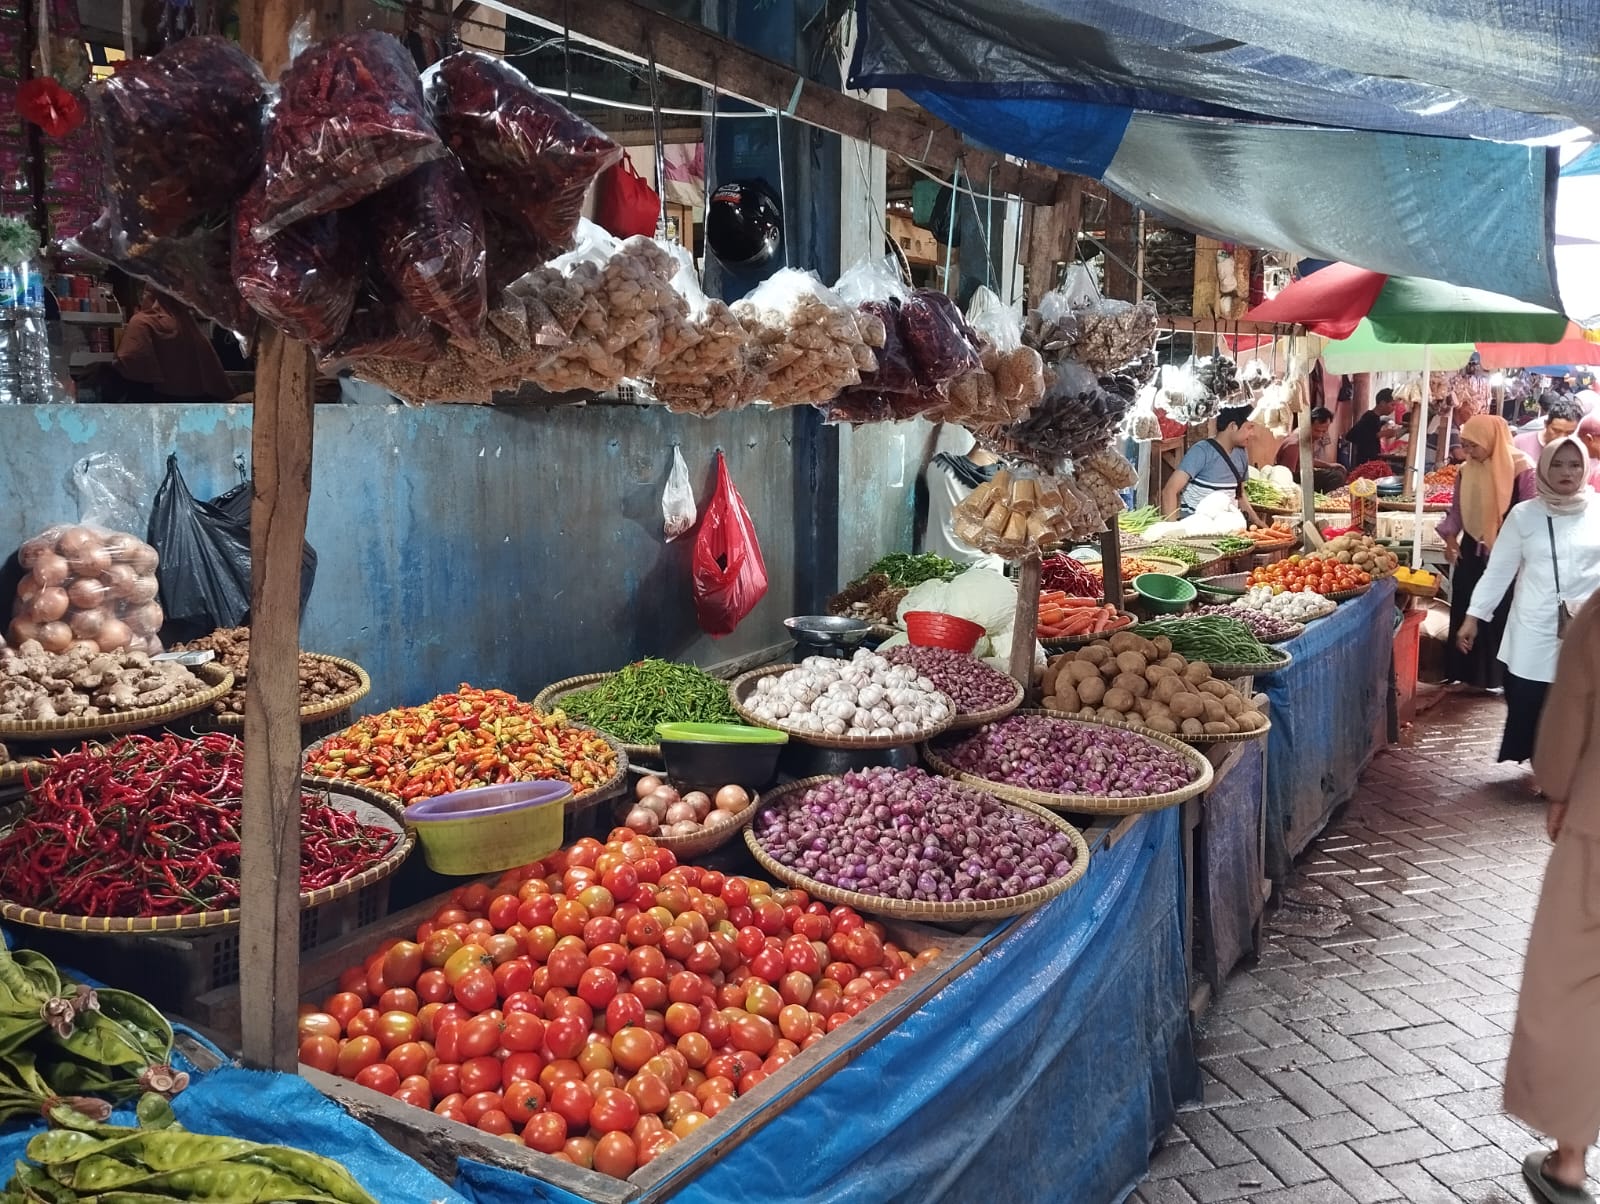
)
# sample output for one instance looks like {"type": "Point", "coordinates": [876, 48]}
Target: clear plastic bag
{"type": "Point", "coordinates": [86, 583]}
{"type": "Point", "coordinates": [180, 135]}
{"type": "Point", "coordinates": [108, 494]}
{"type": "Point", "coordinates": [303, 279]}
{"type": "Point", "coordinates": [937, 337]}
{"type": "Point", "coordinates": [349, 120]}
{"type": "Point", "coordinates": [428, 243]}
{"type": "Point", "coordinates": [530, 159]}
{"type": "Point", "coordinates": [1017, 371]}
{"type": "Point", "coordinates": [196, 268]}
{"type": "Point", "coordinates": [805, 340]}
{"type": "Point", "coordinates": [712, 373]}
{"type": "Point", "coordinates": [383, 325]}
{"type": "Point", "coordinates": [677, 499]}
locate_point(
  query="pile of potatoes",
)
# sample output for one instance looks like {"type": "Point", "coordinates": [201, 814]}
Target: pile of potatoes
{"type": "Point", "coordinates": [1129, 679]}
{"type": "Point", "coordinates": [1362, 551]}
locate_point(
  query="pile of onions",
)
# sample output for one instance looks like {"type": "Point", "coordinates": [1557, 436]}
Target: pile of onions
{"type": "Point", "coordinates": [1061, 756]}
{"type": "Point", "coordinates": [969, 683]}
{"type": "Point", "coordinates": [904, 834]}
{"type": "Point", "coordinates": [83, 586]}
{"type": "Point", "coordinates": [660, 810]}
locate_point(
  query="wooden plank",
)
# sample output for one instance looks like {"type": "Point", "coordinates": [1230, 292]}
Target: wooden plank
{"type": "Point", "coordinates": [269, 932]}
{"type": "Point", "coordinates": [1111, 563]}
{"type": "Point", "coordinates": [1053, 240]}
{"type": "Point", "coordinates": [1025, 628]}
{"type": "Point", "coordinates": [696, 54]}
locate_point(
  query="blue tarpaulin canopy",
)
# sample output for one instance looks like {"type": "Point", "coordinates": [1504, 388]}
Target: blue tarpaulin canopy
{"type": "Point", "coordinates": [1394, 134]}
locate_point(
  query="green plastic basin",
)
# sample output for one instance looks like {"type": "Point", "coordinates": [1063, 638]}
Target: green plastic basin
{"type": "Point", "coordinates": [719, 733]}
{"type": "Point", "coordinates": [1163, 592]}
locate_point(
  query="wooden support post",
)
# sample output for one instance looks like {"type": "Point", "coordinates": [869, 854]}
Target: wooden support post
{"type": "Point", "coordinates": [1025, 629]}
{"type": "Point", "coordinates": [1111, 564]}
{"type": "Point", "coordinates": [1052, 239]}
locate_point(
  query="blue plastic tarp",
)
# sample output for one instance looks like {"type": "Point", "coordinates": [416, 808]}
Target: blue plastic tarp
{"type": "Point", "coordinates": [1229, 868]}
{"type": "Point", "coordinates": [1330, 714]}
{"type": "Point", "coordinates": [1047, 1071]}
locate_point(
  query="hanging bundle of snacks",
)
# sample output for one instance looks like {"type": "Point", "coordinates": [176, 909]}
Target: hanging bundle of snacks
{"type": "Point", "coordinates": [1078, 416]}
{"type": "Point", "coordinates": [1114, 334]}
{"type": "Point", "coordinates": [804, 339]}
{"type": "Point", "coordinates": [1019, 513]}
{"type": "Point", "coordinates": [712, 373]}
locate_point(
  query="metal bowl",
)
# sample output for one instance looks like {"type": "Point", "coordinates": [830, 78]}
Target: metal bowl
{"type": "Point", "coordinates": [1391, 486]}
{"type": "Point", "coordinates": [822, 632]}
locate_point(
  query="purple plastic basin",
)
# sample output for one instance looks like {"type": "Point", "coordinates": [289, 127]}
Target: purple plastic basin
{"type": "Point", "coordinates": [487, 800]}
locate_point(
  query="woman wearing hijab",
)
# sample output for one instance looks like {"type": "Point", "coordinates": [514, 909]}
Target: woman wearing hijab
{"type": "Point", "coordinates": [163, 356]}
{"type": "Point", "coordinates": [1550, 547]}
{"type": "Point", "coordinates": [1553, 1072]}
{"type": "Point", "coordinates": [1495, 477]}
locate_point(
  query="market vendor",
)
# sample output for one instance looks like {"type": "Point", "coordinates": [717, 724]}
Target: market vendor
{"type": "Point", "coordinates": [1561, 417]}
{"type": "Point", "coordinates": [1325, 466]}
{"type": "Point", "coordinates": [958, 467]}
{"type": "Point", "coordinates": [1217, 465]}
{"type": "Point", "coordinates": [1372, 428]}
{"type": "Point", "coordinates": [164, 357]}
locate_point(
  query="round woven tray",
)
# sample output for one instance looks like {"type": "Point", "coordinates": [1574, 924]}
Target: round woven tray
{"type": "Point", "coordinates": [1394, 505]}
{"type": "Point", "coordinates": [912, 909]}
{"type": "Point", "coordinates": [684, 847]}
{"type": "Point", "coordinates": [13, 771]}
{"type": "Point", "coordinates": [1158, 564]}
{"type": "Point", "coordinates": [219, 682]}
{"type": "Point", "coordinates": [1228, 585]}
{"type": "Point", "coordinates": [740, 688]}
{"type": "Point", "coordinates": [1228, 672]}
{"type": "Point", "coordinates": [1200, 741]}
{"type": "Point", "coordinates": [1296, 630]}
{"type": "Point", "coordinates": [594, 793]}
{"type": "Point", "coordinates": [1058, 643]}
{"type": "Point", "coordinates": [323, 708]}
{"type": "Point", "coordinates": [1088, 804]}
{"type": "Point", "coordinates": [369, 805]}
{"type": "Point", "coordinates": [1294, 510]}
{"type": "Point", "coordinates": [964, 723]}
{"type": "Point", "coordinates": [548, 698]}
{"type": "Point", "coordinates": [1344, 595]}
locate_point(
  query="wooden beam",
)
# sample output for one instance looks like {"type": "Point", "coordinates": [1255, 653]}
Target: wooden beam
{"type": "Point", "coordinates": [1053, 240]}
{"type": "Point", "coordinates": [280, 448]}
{"type": "Point", "coordinates": [1025, 628]}
{"type": "Point", "coordinates": [706, 58]}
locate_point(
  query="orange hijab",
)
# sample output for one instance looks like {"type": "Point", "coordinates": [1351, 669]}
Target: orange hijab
{"type": "Point", "coordinates": [1486, 489]}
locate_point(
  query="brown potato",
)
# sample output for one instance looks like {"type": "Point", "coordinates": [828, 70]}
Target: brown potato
{"type": "Point", "coordinates": [1091, 691]}
{"type": "Point", "coordinates": [1118, 699]}
{"type": "Point", "coordinates": [1131, 662]}
{"type": "Point", "coordinates": [1186, 706]}
{"type": "Point", "coordinates": [1131, 682]}
{"type": "Point", "coordinates": [1192, 727]}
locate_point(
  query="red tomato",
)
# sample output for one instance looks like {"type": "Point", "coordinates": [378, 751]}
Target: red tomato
{"type": "Point", "coordinates": [623, 1010]}
{"type": "Point", "coordinates": [696, 1049]}
{"type": "Point", "coordinates": [402, 964]}
{"type": "Point", "coordinates": [357, 1054]}
{"type": "Point", "coordinates": [444, 1078]}
{"type": "Point", "coordinates": [572, 1101]}
{"type": "Point", "coordinates": [713, 1104]}
{"type": "Point", "coordinates": [523, 1001]}
{"type": "Point", "coordinates": [476, 1105]}
{"type": "Point", "coordinates": [468, 957]}
{"type": "Point", "coordinates": [769, 965]}
{"type": "Point", "coordinates": [480, 1074]}
{"type": "Point", "coordinates": [682, 1018]}
{"type": "Point", "coordinates": [522, 1100]}
{"type": "Point", "coordinates": [477, 1038]}
{"type": "Point", "coordinates": [409, 1059]}
{"type": "Point", "coordinates": [566, 966]}
{"type": "Point", "coordinates": [564, 1036]}
{"type": "Point", "coordinates": [343, 1006]}
{"type": "Point", "coordinates": [475, 989]}
{"type": "Point", "coordinates": [495, 1121]}
{"type": "Point", "coordinates": [545, 1132]}
{"type": "Point", "coordinates": [598, 986]}
{"type": "Point", "coordinates": [502, 912]}
{"type": "Point", "coordinates": [651, 992]}
{"type": "Point", "coordinates": [512, 977]}
{"type": "Point", "coordinates": [763, 1000]}
{"type": "Point", "coordinates": [613, 1111]}
{"type": "Point", "coordinates": [616, 1155]}
{"type": "Point", "coordinates": [575, 1005]}
{"type": "Point", "coordinates": [379, 1077]}
{"type": "Point", "coordinates": [715, 1026]}
{"type": "Point", "coordinates": [396, 1028]}
{"type": "Point", "coordinates": [538, 910]}
{"type": "Point", "coordinates": [364, 1023]}
{"type": "Point", "coordinates": [622, 881]}
{"type": "Point", "coordinates": [415, 1091]}
{"type": "Point", "coordinates": [579, 1151]}
{"type": "Point", "coordinates": [649, 1092]}
{"type": "Point", "coordinates": [753, 1033]}
{"type": "Point", "coordinates": [644, 930]}
{"type": "Point", "coordinates": [520, 1032]}
{"type": "Point", "coordinates": [439, 946]}
{"type": "Point", "coordinates": [526, 1065]}
{"type": "Point", "coordinates": [632, 1048]}
{"type": "Point", "coordinates": [432, 987]}
{"type": "Point", "coordinates": [603, 930]}
{"type": "Point", "coordinates": [320, 1052]}
{"type": "Point", "coordinates": [502, 947]}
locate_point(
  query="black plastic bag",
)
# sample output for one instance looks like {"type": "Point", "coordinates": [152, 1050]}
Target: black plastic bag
{"type": "Point", "coordinates": [204, 548]}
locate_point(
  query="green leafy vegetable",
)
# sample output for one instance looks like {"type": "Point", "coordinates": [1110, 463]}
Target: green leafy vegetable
{"type": "Point", "coordinates": [906, 570]}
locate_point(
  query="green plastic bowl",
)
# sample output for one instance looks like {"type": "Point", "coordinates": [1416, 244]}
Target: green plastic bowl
{"type": "Point", "coordinates": [720, 733]}
{"type": "Point", "coordinates": [490, 828]}
{"type": "Point", "coordinates": [1164, 593]}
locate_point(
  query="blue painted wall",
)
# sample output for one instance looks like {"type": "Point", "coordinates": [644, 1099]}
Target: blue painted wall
{"type": "Point", "coordinates": [508, 547]}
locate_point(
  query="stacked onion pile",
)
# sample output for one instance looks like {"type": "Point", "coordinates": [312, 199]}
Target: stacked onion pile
{"type": "Point", "coordinates": [83, 585]}
{"type": "Point", "coordinates": [1060, 756]}
{"type": "Point", "coordinates": [1265, 627]}
{"type": "Point", "coordinates": [904, 834]}
{"type": "Point", "coordinates": [969, 683]}
{"type": "Point", "coordinates": [659, 810]}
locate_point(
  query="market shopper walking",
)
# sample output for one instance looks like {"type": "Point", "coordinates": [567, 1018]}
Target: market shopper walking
{"type": "Point", "coordinates": [1495, 477]}
{"type": "Point", "coordinates": [1553, 1071]}
{"type": "Point", "coordinates": [1550, 547]}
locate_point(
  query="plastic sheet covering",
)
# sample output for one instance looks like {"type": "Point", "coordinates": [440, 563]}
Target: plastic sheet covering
{"type": "Point", "coordinates": [1498, 69]}
{"type": "Point", "coordinates": [1047, 1071]}
{"type": "Point", "coordinates": [1230, 871]}
{"type": "Point", "coordinates": [1330, 712]}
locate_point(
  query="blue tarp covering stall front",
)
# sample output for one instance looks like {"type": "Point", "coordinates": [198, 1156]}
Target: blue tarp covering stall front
{"type": "Point", "coordinates": [1330, 713]}
{"type": "Point", "coordinates": [1229, 869]}
{"type": "Point", "coordinates": [1047, 1071]}
{"type": "Point", "coordinates": [1363, 142]}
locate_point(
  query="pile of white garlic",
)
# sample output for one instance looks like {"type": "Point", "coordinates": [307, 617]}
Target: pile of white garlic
{"type": "Point", "coordinates": [864, 697]}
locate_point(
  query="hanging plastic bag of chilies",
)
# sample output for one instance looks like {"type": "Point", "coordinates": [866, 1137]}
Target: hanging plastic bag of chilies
{"type": "Point", "coordinates": [382, 325]}
{"type": "Point", "coordinates": [180, 135]}
{"type": "Point", "coordinates": [530, 159]}
{"type": "Point", "coordinates": [196, 268]}
{"type": "Point", "coordinates": [891, 390]}
{"type": "Point", "coordinates": [729, 575]}
{"type": "Point", "coordinates": [428, 244]}
{"type": "Point", "coordinates": [303, 279]}
{"type": "Point", "coordinates": [937, 337]}
{"type": "Point", "coordinates": [349, 121]}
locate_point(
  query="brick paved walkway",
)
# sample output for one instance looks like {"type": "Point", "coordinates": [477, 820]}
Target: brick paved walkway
{"type": "Point", "coordinates": [1360, 1059]}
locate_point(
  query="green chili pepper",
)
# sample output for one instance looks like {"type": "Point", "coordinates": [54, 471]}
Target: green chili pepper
{"type": "Point", "coordinates": [632, 701]}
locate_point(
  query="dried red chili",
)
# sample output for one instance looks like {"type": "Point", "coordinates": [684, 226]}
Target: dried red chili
{"type": "Point", "coordinates": [530, 159]}
{"type": "Point", "coordinates": [428, 243]}
{"type": "Point", "coordinates": [349, 121]}
{"type": "Point", "coordinates": [937, 337]}
{"type": "Point", "coordinates": [145, 827]}
{"type": "Point", "coordinates": [181, 135]}
{"type": "Point", "coordinates": [384, 325]}
{"type": "Point", "coordinates": [196, 268]}
{"type": "Point", "coordinates": [303, 279]}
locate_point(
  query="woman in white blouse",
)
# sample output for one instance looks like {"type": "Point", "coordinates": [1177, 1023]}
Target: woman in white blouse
{"type": "Point", "coordinates": [1550, 546]}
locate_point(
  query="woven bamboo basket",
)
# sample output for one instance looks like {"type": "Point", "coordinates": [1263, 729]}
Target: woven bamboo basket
{"type": "Point", "coordinates": [913, 909]}
{"type": "Point", "coordinates": [1344, 595]}
{"type": "Point", "coordinates": [1059, 643]}
{"type": "Point", "coordinates": [323, 708]}
{"type": "Point", "coordinates": [964, 723]}
{"type": "Point", "coordinates": [1086, 804]}
{"type": "Point", "coordinates": [369, 805]}
{"type": "Point", "coordinates": [1201, 741]}
{"type": "Point", "coordinates": [549, 698]}
{"type": "Point", "coordinates": [219, 681]}
{"type": "Point", "coordinates": [1294, 632]}
{"type": "Point", "coordinates": [685, 847]}
{"type": "Point", "coordinates": [1228, 672]}
{"type": "Point", "coordinates": [740, 689]}
{"type": "Point", "coordinates": [13, 771]}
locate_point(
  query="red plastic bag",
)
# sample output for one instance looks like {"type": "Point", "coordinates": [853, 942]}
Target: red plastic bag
{"type": "Point", "coordinates": [625, 204]}
{"type": "Point", "coordinates": [729, 575]}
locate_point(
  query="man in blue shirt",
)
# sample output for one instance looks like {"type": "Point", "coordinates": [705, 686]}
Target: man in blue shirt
{"type": "Point", "coordinates": [1217, 465]}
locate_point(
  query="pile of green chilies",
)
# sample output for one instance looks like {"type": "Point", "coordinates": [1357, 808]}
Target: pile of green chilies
{"type": "Point", "coordinates": [632, 701]}
{"type": "Point", "coordinates": [1213, 639]}
{"type": "Point", "coordinates": [1135, 522]}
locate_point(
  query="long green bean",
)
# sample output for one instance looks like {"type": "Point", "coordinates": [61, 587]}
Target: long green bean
{"type": "Point", "coordinates": [1213, 639]}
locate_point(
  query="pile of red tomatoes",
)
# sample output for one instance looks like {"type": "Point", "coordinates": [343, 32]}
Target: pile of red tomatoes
{"type": "Point", "coordinates": [602, 1004]}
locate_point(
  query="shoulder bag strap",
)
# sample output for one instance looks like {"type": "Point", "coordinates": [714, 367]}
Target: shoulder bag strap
{"type": "Point", "coordinates": [1238, 480]}
{"type": "Point", "coordinates": [1555, 564]}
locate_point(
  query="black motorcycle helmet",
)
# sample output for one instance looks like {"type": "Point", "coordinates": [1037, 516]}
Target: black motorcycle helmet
{"type": "Point", "coordinates": [744, 223]}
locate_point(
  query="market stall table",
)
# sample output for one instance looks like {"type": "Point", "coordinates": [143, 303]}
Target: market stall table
{"type": "Point", "coordinates": [1046, 1070]}
{"type": "Point", "coordinates": [1330, 714]}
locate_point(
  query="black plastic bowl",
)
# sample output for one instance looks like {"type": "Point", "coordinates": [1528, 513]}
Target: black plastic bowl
{"type": "Point", "coordinates": [709, 767]}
